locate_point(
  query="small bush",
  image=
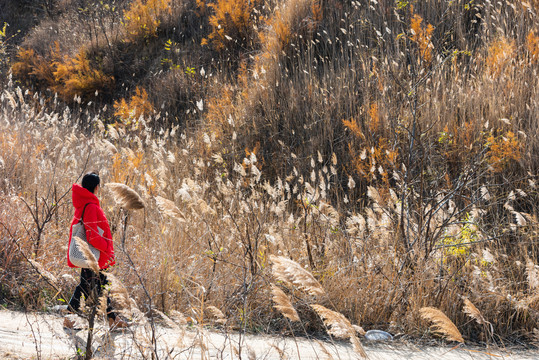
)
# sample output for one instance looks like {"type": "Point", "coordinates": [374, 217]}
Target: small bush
{"type": "Point", "coordinates": [68, 77]}
{"type": "Point", "coordinates": [78, 77]}
{"type": "Point", "coordinates": [137, 106]}
{"type": "Point", "coordinates": [143, 17]}
{"type": "Point", "coordinates": [233, 25]}
{"type": "Point", "coordinates": [421, 35]}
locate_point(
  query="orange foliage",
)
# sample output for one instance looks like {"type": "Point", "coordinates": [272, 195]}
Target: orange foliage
{"type": "Point", "coordinates": [31, 65]}
{"type": "Point", "coordinates": [375, 122]}
{"type": "Point", "coordinates": [77, 77]}
{"type": "Point", "coordinates": [421, 35]}
{"type": "Point", "coordinates": [69, 77]}
{"type": "Point", "coordinates": [532, 43]}
{"type": "Point", "coordinates": [143, 18]}
{"type": "Point", "coordinates": [131, 168]}
{"type": "Point", "coordinates": [139, 105]}
{"type": "Point", "coordinates": [232, 23]}
{"type": "Point", "coordinates": [354, 128]}
{"type": "Point", "coordinates": [373, 161]}
{"type": "Point", "coordinates": [500, 53]}
{"type": "Point", "coordinates": [298, 19]}
{"type": "Point", "coordinates": [502, 150]}
{"type": "Point", "coordinates": [316, 9]}
{"type": "Point", "coordinates": [22, 68]}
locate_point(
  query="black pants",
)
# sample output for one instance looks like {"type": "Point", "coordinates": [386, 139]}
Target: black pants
{"type": "Point", "coordinates": [90, 283]}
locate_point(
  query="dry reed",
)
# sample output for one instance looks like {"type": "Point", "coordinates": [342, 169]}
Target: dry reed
{"type": "Point", "coordinates": [168, 208]}
{"type": "Point", "coordinates": [442, 324]}
{"type": "Point", "coordinates": [91, 261]}
{"type": "Point", "coordinates": [46, 274]}
{"type": "Point", "coordinates": [340, 327]}
{"type": "Point", "coordinates": [217, 314]}
{"type": "Point", "coordinates": [290, 272]}
{"type": "Point", "coordinates": [125, 196]}
{"type": "Point", "coordinates": [283, 304]}
{"type": "Point", "coordinates": [472, 311]}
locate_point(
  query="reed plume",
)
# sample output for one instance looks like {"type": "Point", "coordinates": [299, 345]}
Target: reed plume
{"type": "Point", "coordinates": [87, 253]}
{"type": "Point", "coordinates": [178, 317]}
{"type": "Point", "coordinates": [102, 304]}
{"type": "Point", "coordinates": [46, 274]}
{"type": "Point", "coordinates": [167, 320]}
{"type": "Point", "coordinates": [168, 208]}
{"type": "Point", "coordinates": [118, 292]}
{"type": "Point", "coordinates": [283, 304]}
{"type": "Point", "coordinates": [125, 196]}
{"type": "Point", "coordinates": [441, 324]}
{"type": "Point", "coordinates": [290, 272]}
{"type": "Point", "coordinates": [473, 312]}
{"type": "Point", "coordinates": [217, 314]}
{"type": "Point", "coordinates": [532, 275]}
{"type": "Point", "coordinates": [339, 326]}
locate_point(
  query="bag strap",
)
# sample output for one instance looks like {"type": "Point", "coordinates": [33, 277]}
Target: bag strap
{"type": "Point", "coordinates": [82, 216]}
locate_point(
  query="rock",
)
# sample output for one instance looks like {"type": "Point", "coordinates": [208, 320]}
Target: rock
{"type": "Point", "coordinates": [378, 335]}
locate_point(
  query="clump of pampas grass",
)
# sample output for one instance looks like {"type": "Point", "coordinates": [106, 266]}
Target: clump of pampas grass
{"type": "Point", "coordinates": [46, 274]}
{"type": "Point", "coordinates": [441, 324]}
{"type": "Point", "coordinates": [283, 304]}
{"type": "Point", "coordinates": [217, 314]}
{"type": "Point", "coordinates": [125, 196]}
{"type": "Point", "coordinates": [290, 272]}
{"type": "Point", "coordinates": [339, 326]}
{"type": "Point", "coordinates": [167, 207]}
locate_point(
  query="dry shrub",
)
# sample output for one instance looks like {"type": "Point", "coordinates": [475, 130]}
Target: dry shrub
{"type": "Point", "coordinates": [79, 77]}
{"type": "Point", "coordinates": [137, 106]}
{"type": "Point", "coordinates": [336, 149]}
{"type": "Point", "coordinates": [421, 35]}
{"type": "Point", "coordinates": [69, 77]}
{"type": "Point", "coordinates": [143, 17]}
{"type": "Point", "coordinates": [233, 25]}
{"type": "Point", "coordinates": [501, 52]}
{"type": "Point", "coordinates": [292, 24]}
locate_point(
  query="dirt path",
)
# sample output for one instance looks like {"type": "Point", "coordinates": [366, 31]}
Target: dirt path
{"type": "Point", "coordinates": [41, 336]}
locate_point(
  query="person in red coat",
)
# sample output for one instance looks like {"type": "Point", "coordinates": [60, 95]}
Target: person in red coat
{"type": "Point", "coordinates": [98, 235]}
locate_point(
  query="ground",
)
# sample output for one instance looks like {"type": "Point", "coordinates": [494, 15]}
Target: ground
{"type": "Point", "coordinates": [42, 336]}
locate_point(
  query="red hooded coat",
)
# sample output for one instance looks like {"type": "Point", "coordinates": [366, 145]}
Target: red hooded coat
{"type": "Point", "coordinates": [97, 227]}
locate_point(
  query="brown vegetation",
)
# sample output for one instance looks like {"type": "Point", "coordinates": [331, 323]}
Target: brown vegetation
{"type": "Point", "coordinates": [380, 157]}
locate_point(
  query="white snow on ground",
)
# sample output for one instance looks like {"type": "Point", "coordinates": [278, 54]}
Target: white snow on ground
{"type": "Point", "coordinates": [41, 336]}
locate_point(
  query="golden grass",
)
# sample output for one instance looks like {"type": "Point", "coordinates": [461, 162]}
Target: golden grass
{"type": "Point", "coordinates": [340, 327]}
{"type": "Point", "coordinates": [283, 304]}
{"type": "Point", "coordinates": [290, 272]}
{"type": "Point", "coordinates": [441, 324]}
{"type": "Point", "coordinates": [125, 196]}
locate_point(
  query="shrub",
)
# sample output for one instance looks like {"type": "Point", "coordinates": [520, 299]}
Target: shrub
{"type": "Point", "coordinates": [143, 18]}
{"type": "Point", "coordinates": [69, 77]}
{"type": "Point", "coordinates": [78, 77]}
{"type": "Point", "coordinates": [501, 52]}
{"type": "Point", "coordinates": [137, 106]}
{"type": "Point", "coordinates": [233, 25]}
{"type": "Point", "coordinates": [421, 35]}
